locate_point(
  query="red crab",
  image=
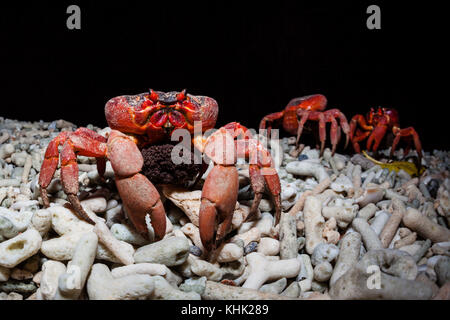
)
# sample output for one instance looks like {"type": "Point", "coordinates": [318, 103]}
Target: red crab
{"type": "Point", "coordinates": [375, 125]}
{"type": "Point", "coordinates": [151, 118]}
{"type": "Point", "coordinates": [312, 107]}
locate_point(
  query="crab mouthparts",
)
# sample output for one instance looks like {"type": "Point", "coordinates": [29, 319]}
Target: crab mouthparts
{"type": "Point", "coordinates": [168, 119]}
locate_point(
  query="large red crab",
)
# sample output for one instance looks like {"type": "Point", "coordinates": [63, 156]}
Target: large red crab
{"type": "Point", "coordinates": [312, 107]}
{"type": "Point", "coordinates": [375, 125]}
{"type": "Point", "coordinates": [151, 118]}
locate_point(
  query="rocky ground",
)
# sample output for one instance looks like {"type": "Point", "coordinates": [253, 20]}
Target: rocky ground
{"type": "Point", "coordinates": [349, 230]}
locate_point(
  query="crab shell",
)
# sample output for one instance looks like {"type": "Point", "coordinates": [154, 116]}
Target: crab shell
{"type": "Point", "coordinates": [155, 115]}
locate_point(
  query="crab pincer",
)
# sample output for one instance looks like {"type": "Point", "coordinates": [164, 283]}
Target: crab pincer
{"type": "Point", "coordinates": [139, 195]}
{"type": "Point", "coordinates": [219, 194]}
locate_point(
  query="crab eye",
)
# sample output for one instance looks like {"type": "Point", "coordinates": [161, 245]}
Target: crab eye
{"type": "Point", "coordinates": [153, 95]}
{"type": "Point", "coordinates": [181, 96]}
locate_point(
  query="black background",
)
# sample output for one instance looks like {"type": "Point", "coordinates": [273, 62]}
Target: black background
{"type": "Point", "coordinates": [252, 57]}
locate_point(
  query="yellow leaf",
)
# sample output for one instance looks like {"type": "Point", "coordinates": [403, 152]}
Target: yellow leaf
{"type": "Point", "coordinates": [408, 167]}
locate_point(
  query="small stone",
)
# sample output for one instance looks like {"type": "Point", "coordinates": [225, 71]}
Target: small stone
{"type": "Point", "coordinates": [433, 187]}
{"type": "Point", "coordinates": [194, 284]}
{"type": "Point", "coordinates": [20, 274]}
{"type": "Point", "coordinates": [14, 296]}
{"type": "Point", "coordinates": [97, 204]}
{"type": "Point", "coordinates": [196, 251]}
{"type": "Point", "coordinates": [170, 252]}
{"type": "Point", "coordinates": [442, 269]}
{"type": "Point", "coordinates": [265, 205]}
{"type": "Point", "coordinates": [318, 286]}
{"type": "Point", "coordinates": [252, 246]}
{"type": "Point", "coordinates": [323, 271]}
{"type": "Point", "coordinates": [19, 248]}
{"type": "Point", "coordinates": [301, 243]}
{"type": "Point", "coordinates": [342, 183]}
{"type": "Point", "coordinates": [18, 286]}
{"type": "Point", "coordinates": [288, 192]}
{"type": "Point", "coordinates": [302, 157]}
{"type": "Point", "coordinates": [324, 252]}
{"type": "Point", "coordinates": [19, 158]}
{"type": "Point", "coordinates": [275, 287]}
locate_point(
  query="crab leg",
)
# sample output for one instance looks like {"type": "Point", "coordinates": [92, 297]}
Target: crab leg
{"type": "Point", "coordinates": [313, 115]}
{"type": "Point", "coordinates": [335, 113]}
{"type": "Point", "coordinates": [322, 132]}
{"type": "Point", "coordinates": [377, 135]}
{"type": "Point", "coordinates": [304, 114]}
{"type": "Point", "coordinates": [49, 165]}
{"type": "Point", "coordinates": [273, 184]}
{"type": "Point", "coordinates": [69, 179]}
{"type": "Point", "coordinates": [84, 143]}
{"type": "Point", "coordinates": [261, 173]}
{"type": "Point", "coordinates": [259, 177]}
{"type": "Point", "coordinates": [334, 134]}
{"type": "Point", "coordinates": [358, 119]}
{"type": "Point", "coordinates": [406, 133]}
{"type": "Point", "coordinates": [323, 118]}
{"type": "Point", "coordinates": [138, 194]}
{"type": "Point", "coordinates": [101, 161]}
{"type": "Point", "coordinates": [257, 183]}
{"type": "Point", "coordinates": [360, 136]}
{"type": "Point", "coordinates": [268, 120]}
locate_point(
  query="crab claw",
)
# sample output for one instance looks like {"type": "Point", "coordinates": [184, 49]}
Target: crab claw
{"type": "Point", "coordinates": [220, 190]}
{"type": "Point", "coordinates": [140, 197]}
{"type": "Point", "coordinates": [219, 196]}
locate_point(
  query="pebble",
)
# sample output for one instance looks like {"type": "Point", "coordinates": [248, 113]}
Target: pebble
{"type": "Point", "coordinates": [265, 205]}
{"type": "Point", "coordinates": [323, 271]}
{"type": "Point", "coordinates": [19, 158]}
{"type": "Point", "coordinates": [324, 252]}
{"type": "Point", "coordinates": [342, 183]}
{"type": "Point", "coordinates": [96, 205]}
{"type": "Point", "coordinates": [196, 285]}
{"type": "Point", "coordinates": [170, 252]}
{"type": "Point", "coordinates": [6, 150]}
{"type": "Point", "coordinates": [18, 287]}
{"type": "Point", "coordinates": [251, 247]}
{"type": "Point", "coordinates": [433, 187]}
{"type": "Point", "coordinates": [269, 246]}
{"type": "Point", "coordinates": [128, 234]}
{"type": "Point", "coordinates": [19, 248]}
{"type": "Point", "coordinates": [196, 251]}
